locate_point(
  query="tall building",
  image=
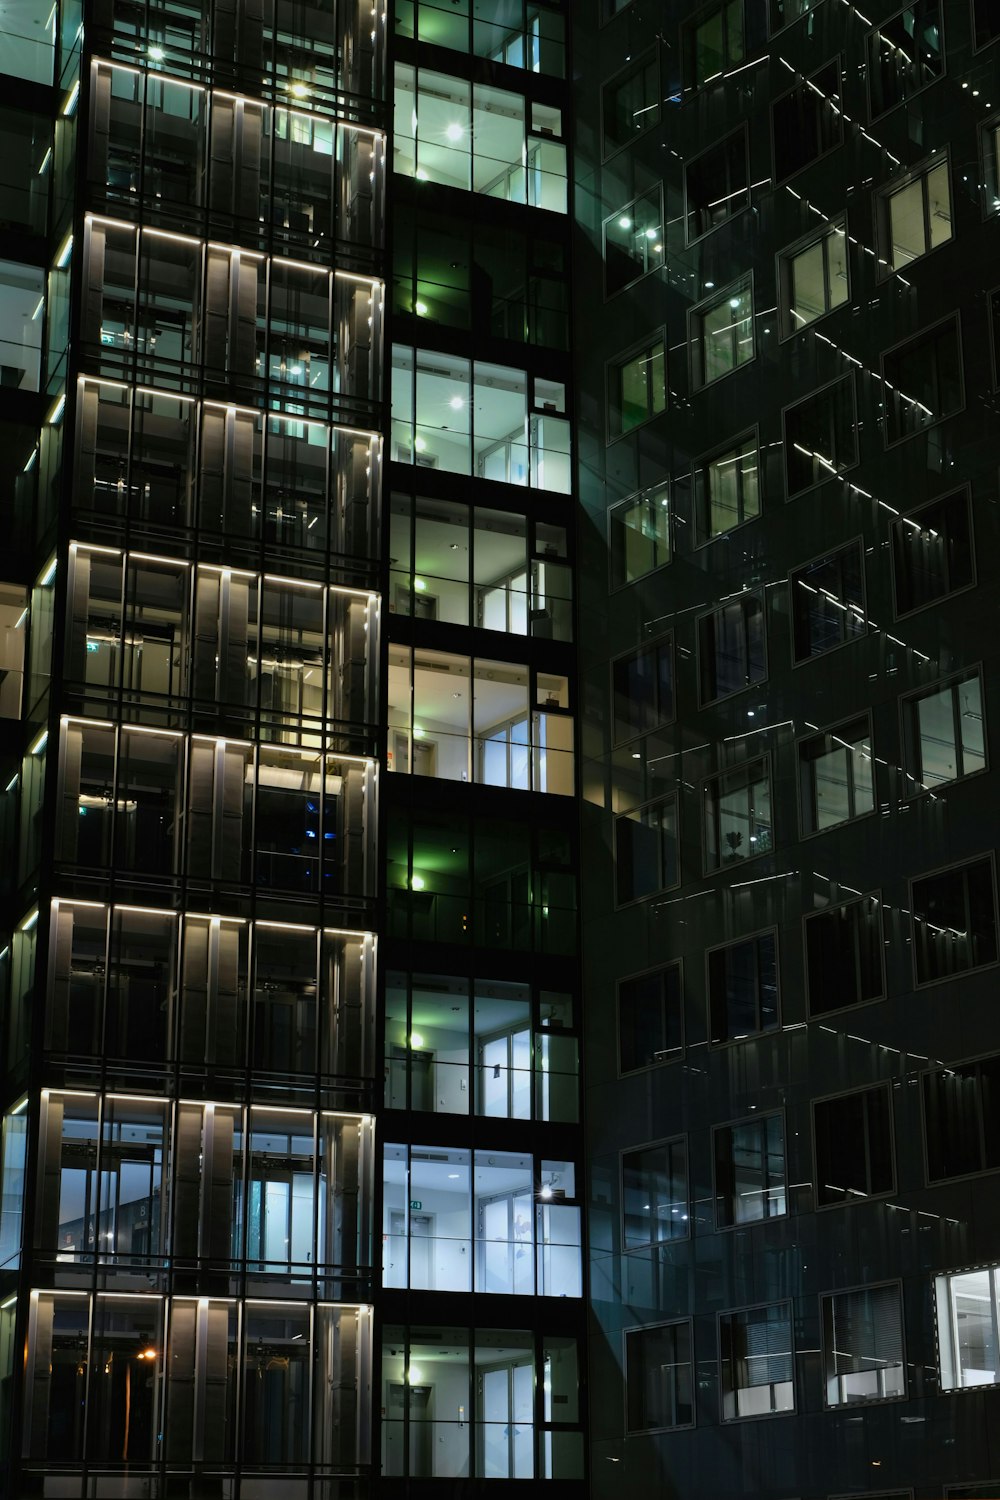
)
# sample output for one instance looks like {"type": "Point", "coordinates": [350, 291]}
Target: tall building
{"type": "Point", "coordinates": [788, 465]}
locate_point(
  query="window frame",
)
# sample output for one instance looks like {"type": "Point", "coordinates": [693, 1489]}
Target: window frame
{"type": "Point", "coordinates": [699, 490]}
{"type": "Point", "coordinates": [758, 1117]}
{"type": "Point", "coordinates": [720, 296]}
{"type": "Point", "coordinates": [650, 270]}
{"type": "Point", "coordinates": [722, 868]}
{"type": "Point", "coordinates": [651, 54]}
{"type": "Point", "coordinates": [910, 517]}
{"type": "Point", "coordinates": [696, 239]}
{"type": "Point", "coordinates": [747, 937]}
{"type": "Point", "coordinates": [947, 1274]}
{"type": "Point", "coordinates": [707, 614]}
{"type": "Point", "coordinates": [801, 763]}
{"type": "Point", "coordinates": [656, 338]}
{"type": "Point", "coordinates": [869, 41]}
{"type": "Point", "coordinates": [633, 499]}
{"type": "Point", "coordinates": [849, 1201]}
{"type": "Point", "coordinates": [640, 1328]}
{"type": "Point", "coordinates": [929, 1073]}
{"type": "Point", "coordinates": [909, 700]}
{"type": "Point", "coordinates": [783, 276]}
{"type": "Point", "coordinates": [681, 1139]}
{"type": "Point", "coordinates": [807, 82]}
{"type": "Point", "coordinates": [677, 1054]}
{"type": "Point", "coordinates": [660, 890]}
{"type": "Point", "coordinates": [990, 856]}
{"type": "Point", "coordinates": [793, 573]}
{"type": "Point", "coordinates": [881, 200]}
{"type": "Point", "coordinates": [838, 474]}
{"type": "Point", "coordinates": [689, 28]}
{"type": "Point", "coordinates": [826, 1352]}
{"type": "Point", "coordinates": [922, 335]}
{"type": "Point", "coordinates": [764, 1416]}
{"type": "Point", "coordinates": [664, 641]}
{"type": "Point", "coordinates": [813, 916]}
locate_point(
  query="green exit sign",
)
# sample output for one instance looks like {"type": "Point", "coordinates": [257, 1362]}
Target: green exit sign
{"type": "Point", "coordinates": [415, 1205]}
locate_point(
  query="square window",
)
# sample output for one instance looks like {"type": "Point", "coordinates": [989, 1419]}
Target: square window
{"type": "Point", "coordinates": [654, 1195]}
{"type": "Point", "coordinates": [633, 241]}
{"type": "Point", "coordinates": [813, 278]}
{"type": "Point", "coordinates": [954, 921]}
{"type": "Point", "coordinates": [863, 1346]}
{"type": "Point", "coordinates": [944, 733]}
{"type": "Point", "coordinates": [905, 54]}
{"type": "Point", "coordinates": [643, 690]}
{"type": "Point", "coordinates": [922, 381]}
{"type": "Point", "coordinates": [637, 389]}
{"type": "Point", "coordinates": [836, 775]}
{"type": "Point", "coordinates": [737, 815]}
{"type": "Point", "coordinates": [727, 489]}
{"type": "Point", "coordinates": [717, 185]}
{"type": "Point", "coordinates": [650, 1018]}
{"type": "Point", "coordinates": [807, 122]}
{"type": "Point", "coordinates": [962, 1119]}
{"type": "Point", "coordinates": [853, 1136]}
{"type": "Point", "coordinates": [750, 1175]}
{"type": "Point", "coordinates": [821, 437]}
{"type": "Point", "coordinates": [932, 553]}
{"type": "Point", "coordinates": [714, 43]}
{"type": "Point", "coordinates": [914, 217]}
{"type": "Point", "coordinates": [722, 334]}
{"type": "Point", "coordinates": [743, 988]}
{"type": "Point", "coordinates": [731, 648]}
{"type": "Point", "coordinates": [968, 1317]}
{"type": "Point", "coordinates": [659, 1377]}
{"type": "Point", "coordinates": [639, 535]}
{"type": "Point", "coordinates": [844, 955]}
{"type": "Point", "coordinates": [630, 103]}
{"type": "Point", "coordinates": [828, 602]}
{"type": "Point", "coordinates": [758, 1362]}
{"type": "Point", "coordinates": [646, 850]}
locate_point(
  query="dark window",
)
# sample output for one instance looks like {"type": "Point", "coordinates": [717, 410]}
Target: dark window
{"type": "Point", "coordinates": [821, 437]}
{"type": "Point", "coordinates": [731, 648]}
{"type": "Point", "coordinates": [659, 1383]}
{"type": "Point", "coordinates": [654, 1195]}
{"type": "Point", "coordinates": [717, 184]}
{"type": "Point", "coordinates": [714, 43]}
{"type": "Point", "coordinates": [932, 552]}
{"type": "Point", "coordinates": [922, 381]}
{"type": "Point", "coordinates": [853, 1146]}
{"type": "Point", "coordinates": [630, 103]}
{"type": "Point", "coordinates": [828, 602]}
{"type": "Point", "coordinates": [633, 241]}
{"type": "Point", "coordinates": [650, 1018]}
{"type": "Point", "coordinates": [813, 278]}
{"type": "Point", "coordinates": [737, 815]}
{"type": "Point", "coordinates": [863, 1346]}
{"type": "Point", "coordinates": [722, 336]}
{"type": "Point", "coordinates": [962, 1119]}
{"type": "Point", "coordinates": [944, 733]}
{"type": "Point", "coordinates": [807, 122]}
{"type": "Point", "coordinates": [914, 217]}
{"type": "Point", "coordinates": [643, 690]}
{"type": "Point", "coordinates": [727, 489]}
{"type": "Point", "coordinates": [991, 162]}
{"type": "Point", "coordinates": [750, 1171]}
{"type": "Point", "coordinates": [836, 776]}
{"type": "Point", "coordinates": [784, 12]}
{"type": "Point", "coordinates": [987, 23]}
{"type": "Point", "coordinates": [905, 54]}
{"type": "Point", "coordinates": [646, 850]}
{"type": "Point", "coordinates": [954, 921]}
{"type": "Point", "coordinates": [757, 1362]}
{"type": "Point", "coordinates": [844, 955]}
{"type": "Point", "coordinates": [639, 535]}
{"type": "Point", "coordinates": [637, 388]}
{"type": "Point", "coordinates": [743, 988]}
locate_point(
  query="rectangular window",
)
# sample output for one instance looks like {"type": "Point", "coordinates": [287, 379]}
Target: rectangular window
{"type": "Point", "coordinates": [750, 1176]}
{"type": "Point", "coordinates": [828, 602]}
{"type": "Point", "coordinates": [727, 489]}
{"type": "Point", "coordinates": [633, 241]}
{"type": "Point", "coordinates": [863, 1345]}
{"type": "Point", "coordinates": [630, 103]}
{"type": "Point", "coordinates": [915, 217]}
{"type": "Point", "coordinates": [932, 553]}
{"type": "Point", "coordinates": [714, 43]}
{"type": "Point", "coordinates": [807, 122]}
{"type": "Point", "coordinates": [731, 648]}
{"type": "Point", "coordinates": [758, 1362]}
{"type": "Point", "coordinates": [922, 381]}
{"type": "Point", "coordinates": [722, 334]}
{"type": "Point", "coordinates": [737, 815]}
{"type": "Point", "coordinates": [944, 734]}
{"type": "Point", "coordinates": [659, 1377]}
{"type": "Point", "coordinates": [650, 1018]}
{"type": "Point", "coordinates": [743, 988]}
{"type": "Point", "coordinates": [639, 536]}
{"type": "Point", "coordinates": [821, 437]}
{"type": "Point", "coordinates": [643, 690]}
{"type": "Point", "coordinates": [637, 389]}
{"type": "Point", "coordinates": [853, 1135]}
{"type": "Point", "coordinates": [646, 850]}
{"type": "Point", "coordinates": [954, 921]}
{"type": "Point", "coordinates": [654, 1194]}
{"type": "Point", "coordinates": [717, 185]}
{"type": "Point", "coordinates": [844, 955]}
{"type": "Point", "coordinates": [836, 776]}
{"type": "Point", "coordinates": [986, 20]}
{"type": "Point", "coordinates": [968, 1327]}
{"type": "Point", "coordinates": [813, 278]}
{"type": "Point", "coordinates": [784, 12]}
{"type": "Point", "coordinates": [905, 54]}
{"type": "Point", "coordinates": [962, 1119]}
